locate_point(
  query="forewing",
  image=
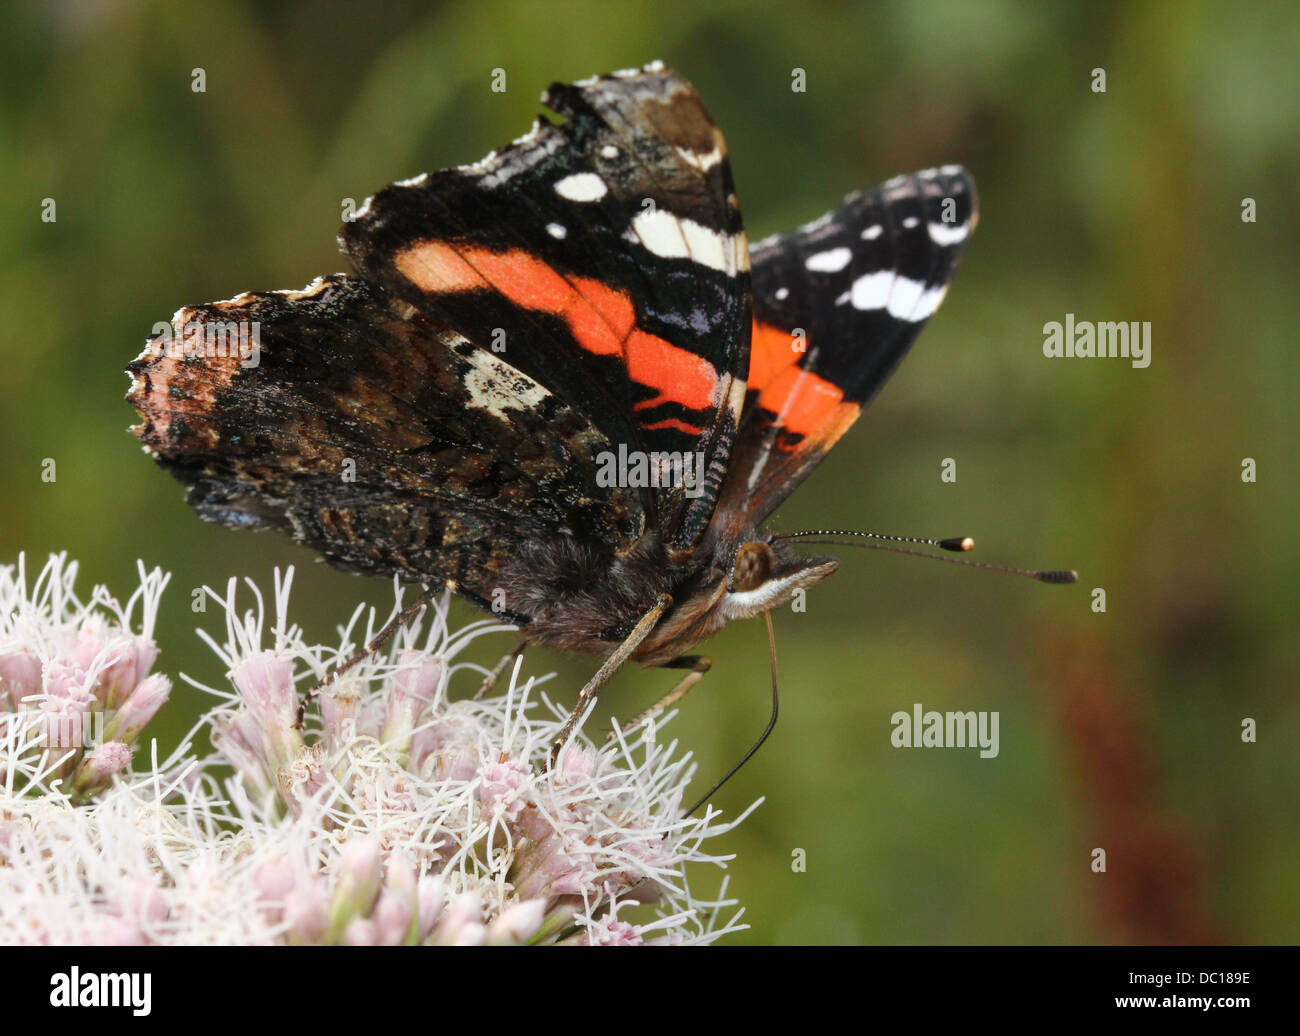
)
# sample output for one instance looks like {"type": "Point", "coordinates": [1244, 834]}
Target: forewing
{"type": "Point", "coordinates": [605, 258]}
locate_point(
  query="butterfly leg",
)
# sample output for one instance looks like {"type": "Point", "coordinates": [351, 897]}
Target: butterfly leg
{"type": "Point", "coordinates": [380, 639]}
{"type": "Point", "coordinates": [506, 662]}
{"type": "Point", "coordinates": [698, 666]}
{"type": "Point", "coordinates": [621, 654]}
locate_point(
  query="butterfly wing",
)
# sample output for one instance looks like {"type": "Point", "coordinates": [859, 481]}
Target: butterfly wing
{"type": "Point", "coordinates": [516, 321]}
{"type": "Point", "coordinates": [837, 304]}
{"type": "Point", "coordinates": [605, 258]}
{"type": "Point", "coordinates": [385, 442]}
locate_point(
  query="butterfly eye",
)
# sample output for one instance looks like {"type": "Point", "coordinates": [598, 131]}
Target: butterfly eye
{"type": "Point", "coordinates": [752, 567]}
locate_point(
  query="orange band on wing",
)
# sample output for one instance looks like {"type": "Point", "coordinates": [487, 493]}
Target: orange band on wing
{"type": "Point", "coordinates": [808, 405]}
{"type": "Point", "coordinates": [601, 319]}
{"type": "Point", "coordinates": [771, 351]}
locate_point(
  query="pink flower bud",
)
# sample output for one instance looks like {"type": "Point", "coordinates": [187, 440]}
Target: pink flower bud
{"type": "Point", "coordinates": [361, 932]}
{"type": "Point", "coordinates": [462, 925]}
{"type": "Point", "coordinates": [472, 934]}
{"type": "Point", "coordinates": [125, 660]}
{"type": "Point", "coordinates": [339, 713]}
{"type": "Point", "coordinates": [357, 886]}
{"type": "Point", "coordinates": [396, 913]}
{"type": "Point", "coordinates": [306, 911]}
{"type": "Point", "coordinates": [430, 899]}
{"type": "Point", "coordinates": [517, 924]}
{"type": "Point", "coordinates": [138, 709]}
{"type": "Point", "coordinates": [410, 693]}
{"type": "Point", "coordinates": [238, 738]}
{"type": "Point", "coordinates": [101, 766]}
{"type": "Point", "coordinates": [265, 681]}
{"type": "Point", "coordinates": [274, 880]}
{"type": "Point", "coordinates": [392, 917]}
{"type": "Point", "coordinates": [20, 676]}
{"type": "Point", "coordinates": [89, 641]}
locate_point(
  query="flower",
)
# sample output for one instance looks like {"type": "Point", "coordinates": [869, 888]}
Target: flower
{"type": "Point", "coordinates": [77, 672]}
{"type": "Point", "coordinates": [370, 809]}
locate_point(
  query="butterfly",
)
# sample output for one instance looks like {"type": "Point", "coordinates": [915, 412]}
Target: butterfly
{"type": "Point", "coordinates": [561, 383]}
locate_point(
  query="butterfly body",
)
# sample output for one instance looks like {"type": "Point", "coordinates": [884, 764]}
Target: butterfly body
{"type": "Point", "coordinates": [578, 600]}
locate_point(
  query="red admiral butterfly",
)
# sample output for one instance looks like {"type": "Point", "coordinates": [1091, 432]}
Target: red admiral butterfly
{"type": "Point", "coordinates": [563, 384]}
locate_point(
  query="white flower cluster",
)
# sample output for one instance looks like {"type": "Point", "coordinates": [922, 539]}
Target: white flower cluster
{"type": "Point", "coordinates": [375, 811]}
{"type": "Point", "coordinates": [75, 687]}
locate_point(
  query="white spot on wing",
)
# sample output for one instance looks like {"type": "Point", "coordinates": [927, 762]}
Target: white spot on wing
{"type": "Point", "coordinates": [703, 161]}
{"type": "Point", "coordinates": [872, 232]}
{"type": "Point", "coordinates": [500, 388]}
{"type": "Point", "coordinates": [556, 231]}
{"type": "Point", "coordinates": [948, 233]}
{"type": "Point", "coordinates": [904, 296]}
{"type": "Point", "coordinates": [910, 222]}
{"type": "Point", "coordinates": [928, 303]}
{"type": "Point", "coordinates": [831, 261]}
{"type": "Point", "coordinates": [872, 290]}
{"type": "Point", "coordinates": [581, 187]}
{"type": "Point", "coordinates": [671, 237]}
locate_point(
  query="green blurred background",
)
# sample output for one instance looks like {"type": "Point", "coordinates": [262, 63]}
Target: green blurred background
{"type": "Point", "coordinates": [1118, 730]}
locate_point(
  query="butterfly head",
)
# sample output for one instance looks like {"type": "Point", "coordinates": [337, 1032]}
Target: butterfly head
{"type": "Point", "coordinates": [766, 573]}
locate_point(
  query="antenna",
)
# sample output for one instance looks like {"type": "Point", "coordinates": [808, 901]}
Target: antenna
{"type": "Point", "coordinates": [955, 544]}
